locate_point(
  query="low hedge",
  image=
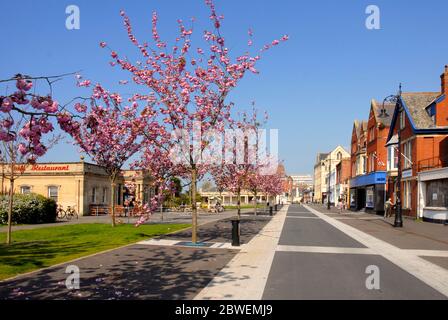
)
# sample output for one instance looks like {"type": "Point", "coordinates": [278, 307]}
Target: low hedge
{"type": "Point", "coordinates": [28, 209]}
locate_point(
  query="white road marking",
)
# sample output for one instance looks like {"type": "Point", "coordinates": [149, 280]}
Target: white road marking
{"type": "Point", "coordinates": [431, 274]}
{"type": "Point", "coordinates": [245, 276]}
{"type": "Point", "coordinates": [312, 249]}
{"type": "Point", "coordinates": [359, 218]}
{"type": "Point", "coordinates": [428, 253]}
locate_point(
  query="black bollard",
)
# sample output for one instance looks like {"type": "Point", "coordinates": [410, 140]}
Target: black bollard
{"type": "Point", "coordinates": [235, 233]}
{"type": "Point", "coordinates": [270, 211]}
{"type": "Point", "coordinates": [276, 209]}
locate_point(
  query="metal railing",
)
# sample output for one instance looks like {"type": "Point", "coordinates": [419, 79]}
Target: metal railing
{"type": "Point", "coordinates": [433, 163]}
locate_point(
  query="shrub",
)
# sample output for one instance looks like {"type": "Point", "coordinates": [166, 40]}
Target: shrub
{"type": "Point", "coordinates": [28, 209]}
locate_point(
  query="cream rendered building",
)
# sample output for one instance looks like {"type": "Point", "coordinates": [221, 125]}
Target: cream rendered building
{"type": "Point", "coordinates": [81, 185]}
{"type": "Point", "coordinates": [325, 163]}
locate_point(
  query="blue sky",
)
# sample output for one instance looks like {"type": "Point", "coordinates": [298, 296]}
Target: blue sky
{"type": "Point", "coordinates": [313, 86]}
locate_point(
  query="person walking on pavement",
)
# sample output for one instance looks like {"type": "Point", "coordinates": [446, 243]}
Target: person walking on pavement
{"type": "Point", "coordinates": [388, 208]}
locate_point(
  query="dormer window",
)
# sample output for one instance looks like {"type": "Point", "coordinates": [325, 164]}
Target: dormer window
{"type": "Point", "coordinates": [431, 110]}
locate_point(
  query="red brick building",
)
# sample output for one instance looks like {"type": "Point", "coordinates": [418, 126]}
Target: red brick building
{"type": "Point", "coordinates": [423, 123]}
{"type": "Point", "coordinates": [369, 159]}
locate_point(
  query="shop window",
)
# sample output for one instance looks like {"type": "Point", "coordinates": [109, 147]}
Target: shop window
{"type": "Point", "coordinates": [437, 193]}
{"type": "Point", "coordinates": [407, 193]}
{"type": "Point", "coordinates": [25, 189]}
{"type": "Point", "coordinates": [369, 197]}
{"type": "Point", "coordinates": [53, 192]}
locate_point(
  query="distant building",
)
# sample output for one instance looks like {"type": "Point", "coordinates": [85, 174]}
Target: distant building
{"type": "Point", "coordinates": [325, 174]}
{"type": "Point", "coordinates": [301, 185]}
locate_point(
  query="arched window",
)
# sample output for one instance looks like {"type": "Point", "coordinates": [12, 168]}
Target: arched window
{"type": "Point", "coordinates": [339, 156]}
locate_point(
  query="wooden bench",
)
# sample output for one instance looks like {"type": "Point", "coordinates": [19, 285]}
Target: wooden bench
{"type": "Point", "coordinates": [98, 209]}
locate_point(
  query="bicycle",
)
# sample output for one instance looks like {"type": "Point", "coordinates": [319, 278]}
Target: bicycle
{"type": "Point", "coordinates": [68, 214]}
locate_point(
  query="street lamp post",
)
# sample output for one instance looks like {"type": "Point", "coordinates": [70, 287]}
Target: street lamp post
{"type": "Point", "coordinates": [398, 223]}
{"type": "Point", "coordinates": [329, 187]}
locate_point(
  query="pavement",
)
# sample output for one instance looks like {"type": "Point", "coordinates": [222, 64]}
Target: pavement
{"type": "Point", "coordinates": [163, 268]}
{"type": "Point", "coordinates": [319, 256]}
{"type": "Point", "coordinates": [301, 253]}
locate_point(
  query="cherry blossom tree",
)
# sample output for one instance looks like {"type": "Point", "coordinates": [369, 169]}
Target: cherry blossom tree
{"type": "Point", "coordinates": [190, 84]}
{"type": "Point", "coordinates": [109, 132]}
{"type": "Point", "coordinates": [26, 119]}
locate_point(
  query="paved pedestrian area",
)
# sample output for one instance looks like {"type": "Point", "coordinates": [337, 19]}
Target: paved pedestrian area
{"type": "Point", "coordinates": [155, 269]}
{"type": "Point", "coordinates": [157, 217]}
{"type": "Point", "coordinates": [322, 257]}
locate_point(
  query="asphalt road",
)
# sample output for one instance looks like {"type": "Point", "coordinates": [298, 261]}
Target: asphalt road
{"type": "Point", "coordinates": [301, 270]}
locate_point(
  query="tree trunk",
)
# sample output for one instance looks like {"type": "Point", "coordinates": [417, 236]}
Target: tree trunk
{"type": "Point", "coordinates": [10, 204]}
{"type": "Point", "coordinates": [194, 214]}
{"type": "Point", "coordinates": [255, 207]}
{"type": "Point", "coordinates": [112, 200]}
{"type": "Point", "coordinates": [239, 204]}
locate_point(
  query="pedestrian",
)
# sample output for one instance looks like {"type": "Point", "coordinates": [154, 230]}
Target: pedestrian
{"type": "Point", "coordinates": [388, 208]}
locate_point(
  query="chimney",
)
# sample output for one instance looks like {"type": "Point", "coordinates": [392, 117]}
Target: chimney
{"type": "Point", "coordinates": [444, 81]}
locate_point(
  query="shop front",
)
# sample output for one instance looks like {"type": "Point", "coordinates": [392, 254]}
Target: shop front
{"type": "Point", "coordinates": [367, 192]}
{"type": "Point", "coordinates": [433, 195]}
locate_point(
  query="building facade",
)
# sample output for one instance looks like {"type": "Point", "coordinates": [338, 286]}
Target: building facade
{"type": "Point", "coordinates": [319, 177]}
{"type": "Point", "coordinates": [81, 185]}
{"type": "Point", "coordinates": [419, 131]}
{"type": "Point", "coordinates": [328, 167]}
{"type": "Point", "coordinates": [301, 184]}
{"type": "Point", "coordinates": [369, 159]}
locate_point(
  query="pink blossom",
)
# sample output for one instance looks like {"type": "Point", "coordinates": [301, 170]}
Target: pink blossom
{"type": "Point", "coordinates": [6, 105]}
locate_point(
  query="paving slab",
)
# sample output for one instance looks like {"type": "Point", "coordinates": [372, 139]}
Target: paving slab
{"type": "Point", "coordinates": [413, 235]}
{"type": "Point", "coordinates": [221, 230]}
{"type": "Point", "coordinates": [308, 276]}
{"type": "Point", "coordinates": [312, 232]}
{"type": "Point", "coordinates": [133, 272]}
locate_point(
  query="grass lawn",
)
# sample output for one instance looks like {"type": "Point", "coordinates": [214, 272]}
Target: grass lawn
{"type": "Point", "coordinates": [39, 248]}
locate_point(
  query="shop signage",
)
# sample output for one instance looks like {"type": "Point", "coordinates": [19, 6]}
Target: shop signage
{"type": "Point", "coordinates": [406, 173]}
{"type": "Point", "coordinates": [40, 167]}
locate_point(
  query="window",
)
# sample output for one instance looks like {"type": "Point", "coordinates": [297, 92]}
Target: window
{"type": "Point", "coordinates": [372, 134]}
{"type": "Point", "coordinates": [407, 152]}
{"type": "Point", "coordinates": [432, 112]}
{"type": "Point", "coordinates": [53, 192]}
{"type": "Point", "coordinates": [407, 192]}
{"type": "Point", "coordinates": [104, 199]}
{"type": "Point", "coordinates": [392, 158]}
{"type": "Point", "coordinates": [437, 193]}
{"type": "Point", "coordinates": [402, 119]}
{"type": "Point", "coordinates": [25, 189]}
{"type": "Point", "coordinates": [339, 156]}
{"type": "Point", "coordinates": [93, 200]}
{"type": "Point", "coordinates": [364, 164]}
{"type": "Point", "coordinates": [372, 163]}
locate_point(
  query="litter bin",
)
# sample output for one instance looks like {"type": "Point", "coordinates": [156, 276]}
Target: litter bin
{"type": "Point", "coordinates": [270, 211]}
{"type": "Point", "coordinates": [235, 232]}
